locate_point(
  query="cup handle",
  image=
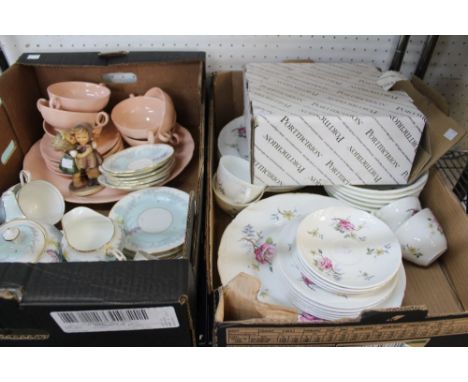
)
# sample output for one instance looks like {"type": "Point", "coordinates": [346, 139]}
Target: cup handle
{"type": "Point", "coordinates": [171, 138]}
{"type": "Point", "coordinates": [25, 177]}
{"type": "Point", "coordinates": [41, 103]}
{"type": "Point", "coordinates": [117, 253]}
{"type": "Point", "coordinates": [150, 137]}
{"type": "Point", "coordinates": [102, 119]}
{"type": "Point", "coordinates": [54, 103]}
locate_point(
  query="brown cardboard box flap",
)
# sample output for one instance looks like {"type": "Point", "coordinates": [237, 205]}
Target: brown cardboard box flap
{"type": "Point", "coordinates": [442, 132]}
{"type": "Point", "coordinates": [240, 303]}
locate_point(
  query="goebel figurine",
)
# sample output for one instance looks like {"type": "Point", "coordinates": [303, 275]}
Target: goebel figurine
{"type": "Point", "coordinates": [81, 159]}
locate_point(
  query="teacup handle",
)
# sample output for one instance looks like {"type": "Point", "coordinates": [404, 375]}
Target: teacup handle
{"type": "Point", "coordinates": [25, 177]}
{"type": "Point", "coordinates": [117, 253]}
{"type": "Point", "coordinates": [41, 103]}
{"type": "Point", "coordinates": [151, 137]}
{"type": "Point", "coordinates": [102, 119]}
{"type": "Point", "coordinates": [171, 138]}
{"type": "Point", "coordinates": [54, 103]}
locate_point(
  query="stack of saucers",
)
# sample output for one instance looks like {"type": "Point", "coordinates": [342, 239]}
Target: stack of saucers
{"type": "Point", "coordinates": [372, 198]}
{"type": "Point", "coordinates": [154, 222]}
{"type": "Point", "coordinates": [343, 262]}
{"type": "Point", "coordinates": [138, 167]}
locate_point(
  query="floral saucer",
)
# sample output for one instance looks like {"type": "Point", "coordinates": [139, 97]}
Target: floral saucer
{"type": "Point", "coordinates": [154, 220]}
{"type": "Point", "coordinates": [232, 140]}
{"type": "Point", "coordinates": [27, 241]}
{"type": "Point", "coordinates": [348, 248]}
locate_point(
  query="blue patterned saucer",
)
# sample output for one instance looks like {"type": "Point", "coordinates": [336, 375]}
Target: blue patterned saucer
{"type": "Point", "coordinates": [154, 219]}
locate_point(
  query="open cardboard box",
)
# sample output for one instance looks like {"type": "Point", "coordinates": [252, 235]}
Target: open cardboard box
{"type": "Point", "coordinates": [29, 293]}
{"type": "Point", "coordinates": [436, 298]}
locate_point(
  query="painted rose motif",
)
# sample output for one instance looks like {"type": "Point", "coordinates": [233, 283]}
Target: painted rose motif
{"type": "Point", "coordinates": [308, 282]}
{"type": "Point", "coordinates": [242, 132]}
{"type": "Point", "coordinates": [412, 211]}
{"type": "Point", "coordinates": [306, 317]}
{"type": "Point", "coordinates": [325, 264]}
{"type": "Point", "coordinates": [264, 250]}
{"type": "Point", "coordinates": [347, 228]}
{"type": "Point", "coordinates": [264, 253]}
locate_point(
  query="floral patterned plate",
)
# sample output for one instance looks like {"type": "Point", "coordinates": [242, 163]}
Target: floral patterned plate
{"type": "Point", "coordinates": [154, 220]}
{"type": "Point", "coordinates": [348, 248]}
{"type": "Point", "coordinates": [393, 301]}
{"type": "Point", "coordinates": [304, 289]}
{"type": "Point", "coordinates": [232, 140]}
{"type": "Point", "coordinates": [261, 233]}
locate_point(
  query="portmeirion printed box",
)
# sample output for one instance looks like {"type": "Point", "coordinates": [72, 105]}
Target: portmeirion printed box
{"type": "Point", "coordinates": [328, 124]}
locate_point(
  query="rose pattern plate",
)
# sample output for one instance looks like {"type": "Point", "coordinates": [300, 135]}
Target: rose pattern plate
{"type": "Point", "coordinates": [348, 248]}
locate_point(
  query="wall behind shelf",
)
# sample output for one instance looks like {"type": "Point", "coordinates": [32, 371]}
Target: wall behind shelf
{"type": "Point", "coordinates": [447, 72]}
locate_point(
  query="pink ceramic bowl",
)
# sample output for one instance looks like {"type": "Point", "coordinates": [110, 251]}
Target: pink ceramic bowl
{"type": "Point", "coordinates": [61, 119]}
{"type": "Point", "coordinates": [153, 113]}
{"type": "Point", "coordinates": [78, 96]}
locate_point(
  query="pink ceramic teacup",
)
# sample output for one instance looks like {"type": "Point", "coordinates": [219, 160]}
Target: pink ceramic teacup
{"type": "Point", "coordinates": [150, 117]}
{"type": "Point", "coordinates": [78, 96]}
{"type": "Point", "coordinates": [61, 119]}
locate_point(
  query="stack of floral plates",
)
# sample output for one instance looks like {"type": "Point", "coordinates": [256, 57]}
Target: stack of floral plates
{"type": "Point", "coordinates": [345, 261]}
{"type": "Point", "coordinates": [372, 198]}
{"type": "Point", "coordinates": [138, 167]}
{"type": "Point", "coordinates": [154, 221]}
{"type": "Point", "coordinates": [263, 241]}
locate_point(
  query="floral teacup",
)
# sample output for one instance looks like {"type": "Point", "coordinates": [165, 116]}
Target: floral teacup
{"type": "Point", "coordinates": [422, 238]}
{"type": "Point", "coordinates": [90, 236]}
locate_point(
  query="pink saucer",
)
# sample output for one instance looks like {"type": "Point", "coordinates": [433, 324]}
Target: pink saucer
{"type": "Point", "coordinates": [34, 163]}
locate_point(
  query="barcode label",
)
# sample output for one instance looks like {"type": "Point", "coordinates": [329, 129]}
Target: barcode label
{"type": "Point", "coordinates": [116, 319]}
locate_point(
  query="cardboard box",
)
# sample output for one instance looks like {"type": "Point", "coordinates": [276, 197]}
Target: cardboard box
{"type": "Point", "coordinates": [367, 135]}
{"type": "Point", "coordinates": [435, 308]}
{"type": "Point", "coordinates": [103, 297]}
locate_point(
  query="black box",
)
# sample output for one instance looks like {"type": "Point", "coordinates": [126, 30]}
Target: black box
{"type": "Point", "coordinates": [149, 303]}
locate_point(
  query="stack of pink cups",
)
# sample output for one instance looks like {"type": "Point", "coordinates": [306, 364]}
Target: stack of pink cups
{"type": "Point", "coordinates": [70, 104]}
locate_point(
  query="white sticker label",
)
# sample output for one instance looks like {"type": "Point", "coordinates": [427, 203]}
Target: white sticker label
{"type": "Point", "coordinates": [33, 56]}
{"type": "Point", "coordinates": [68, 163]}
{"type": "Point", "coordinates": [390, 78]}
{"type": "Point", "coordinates": [82, 321]}
{"type": "Point", "coordinates": [450, 134]}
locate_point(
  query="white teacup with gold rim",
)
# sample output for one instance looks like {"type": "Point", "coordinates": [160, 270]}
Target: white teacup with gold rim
{"type": "Point", "coordinates": [33, 199]}
{"type": "Point", "coordinates": [90, 236]}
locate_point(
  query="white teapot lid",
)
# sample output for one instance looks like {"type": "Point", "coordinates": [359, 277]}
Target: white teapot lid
{"type": "Point", "coordinates": [22, 240]}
